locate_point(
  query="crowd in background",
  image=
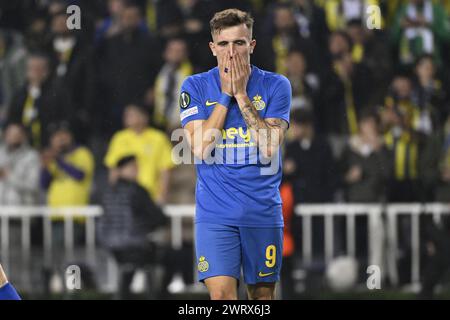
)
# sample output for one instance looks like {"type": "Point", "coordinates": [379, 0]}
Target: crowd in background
{"type": "Point", "coordinates": [370, 117]}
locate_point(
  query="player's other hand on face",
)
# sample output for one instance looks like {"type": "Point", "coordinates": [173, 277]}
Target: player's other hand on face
{"type": "Point", "coordinates": [241, 74]}
{"type": "Point", "coordinates": [225, 71]}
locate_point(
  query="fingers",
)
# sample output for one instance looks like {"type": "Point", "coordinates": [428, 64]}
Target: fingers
{"type": "Point", "coordinates": [236, 67]}
{"type": "Point", "coordinates": [228, 64]}
{"type": "Point", "coordinates": [244, 68]}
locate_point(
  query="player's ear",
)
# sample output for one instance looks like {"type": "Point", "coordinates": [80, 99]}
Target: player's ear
{"type": "Point", "coordinates": [252, 45]}
{"type": "Point", "coordinates": [213, 48]}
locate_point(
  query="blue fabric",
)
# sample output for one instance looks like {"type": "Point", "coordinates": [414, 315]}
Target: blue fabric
{"type": "Point", "coordinates": [7, 292]}
{"type": "Point", "coordinates": [221, 250]}
{"type": "Point", "coordinates": [45, 179]}
{"type": "Point", "coordinates": [243, 190]}
{"type": "Point", "coordinates": [224, 100]}
{"type": "Point", "coordinates": [71, 170]}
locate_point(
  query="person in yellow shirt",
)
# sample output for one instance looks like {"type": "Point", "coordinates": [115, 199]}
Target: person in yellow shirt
{"type": "Point", "coordinates": [66, 174]}
{"type": "Point", "coordinates": [151, 147]}
{"type": "Point", "coordinates": [67, 171]}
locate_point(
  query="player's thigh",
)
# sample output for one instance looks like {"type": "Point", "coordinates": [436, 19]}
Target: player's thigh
{"type": "Point", "coordinates": [261, 255]}
{"type": "Point", "coordinates": [218, 251]}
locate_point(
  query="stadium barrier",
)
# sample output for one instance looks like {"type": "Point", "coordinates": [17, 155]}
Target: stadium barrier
{"type": "Point", "coordinates": [382, 228]}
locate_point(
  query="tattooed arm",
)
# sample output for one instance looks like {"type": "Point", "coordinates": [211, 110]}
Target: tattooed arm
{"type": "Point", "coordinates": [268, 133]}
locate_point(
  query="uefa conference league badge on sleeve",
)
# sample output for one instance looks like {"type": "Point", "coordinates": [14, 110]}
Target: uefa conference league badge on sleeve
{"type": "Point", "coordinates": [185, 100]}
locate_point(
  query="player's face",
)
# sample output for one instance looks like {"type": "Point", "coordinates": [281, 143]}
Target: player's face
{"type": "Point", "coordinates": [234, 40]}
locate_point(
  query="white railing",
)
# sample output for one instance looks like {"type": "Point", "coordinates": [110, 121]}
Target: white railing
{"type": "Point", "coordinates": [382, 224]}
{"type": "Point", "coordinates": [379, 254]}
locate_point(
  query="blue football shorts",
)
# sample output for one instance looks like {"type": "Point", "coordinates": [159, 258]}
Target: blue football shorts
{"type": "Point", "coordinates": [222, 250]}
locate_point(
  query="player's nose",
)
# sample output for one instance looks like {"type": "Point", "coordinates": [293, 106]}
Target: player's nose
{"type": "Point", "coordinates": [231, 49]}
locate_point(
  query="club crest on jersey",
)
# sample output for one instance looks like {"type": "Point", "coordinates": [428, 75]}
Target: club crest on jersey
{"type": "Point", "coordinates": [185, 100]}
{"type": "Point", "coordinates": [203, 265]}
{"type": "Point", "coordinates": [258, 102]}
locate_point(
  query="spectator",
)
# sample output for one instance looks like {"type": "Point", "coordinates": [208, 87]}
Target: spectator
{"type": "Point", "coordinates": [430, 95]}
{"type": "Point", "coordinates": [168, 83]}
{"type": "Point", "coordinates": [12, 68]}
{"type": "Point", "coordinates": [75, 70]}
{"type": "Point", "coordinates": [281, 36]}
{"type": "Point", "coordinates": [19, 168]}
{"type": "Point", "coordinates": [40, 101]}
{"type": "Point", "coordinates": [365, 163]}
{"type": "Point", "coordinates": [129, 63]}
{"type": "Point", "coordinates": [111, 25]}
{"type": "Point", "coordinates": [150, 146]}
{"type": "Point", "coordinates": [340, 12]}
{"type": "Point", "coordinates": [403, 99]}
{"type": "Point", "coordinates": [66, 174]}
{"type": "Point", "coordinates": [402, 142]}
{"type": "Point", "coordinates": [421, 27]}
{"type": "Point", "coordinates": [348, 92]}
{"type": "Point", "coordinates": [130, 217]}
{"type": "Point", "coordinates": [305, 84]}
{"type": "Point", "coordinates": [369, 49]}
{"type": "Point", "coordinates": [190, 19]}
{"type": "Point", "coordinates": [312, 25]}
{"type": "Point", "coordinates": [67, 170]}
{"type": "Point", "coordinates": [307, 150]}
{"type": "Point", "coordinates": [365, 167]}
{"type": "Point", "coordinates": [310, 168]}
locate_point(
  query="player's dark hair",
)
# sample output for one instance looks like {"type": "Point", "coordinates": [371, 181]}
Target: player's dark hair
{"type": "Point", "coordinates": [230, 18]}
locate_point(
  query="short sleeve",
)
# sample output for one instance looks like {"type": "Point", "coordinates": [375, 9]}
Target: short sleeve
{"type": "Point", "coordinates": [191, 106]}
{"type": "Point", "coordinates": [113, 153]}
{"type": "Point", "coordinates": [280, 99]}
{"type": "Point", "coordinates": [86, 161]}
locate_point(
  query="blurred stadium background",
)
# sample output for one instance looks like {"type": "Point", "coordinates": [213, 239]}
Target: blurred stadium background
{"type": "Point", "coordinates": [366, 162]}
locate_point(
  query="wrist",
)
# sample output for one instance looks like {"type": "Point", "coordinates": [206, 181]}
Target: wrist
{"type": "Point", "coordinates": [225, 99]}
{"type": "Point", "coordinates": [241, 96]}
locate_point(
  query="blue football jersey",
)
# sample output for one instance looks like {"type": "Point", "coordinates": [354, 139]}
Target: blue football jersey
{"type": "Point", "coordinates": [240, 187]}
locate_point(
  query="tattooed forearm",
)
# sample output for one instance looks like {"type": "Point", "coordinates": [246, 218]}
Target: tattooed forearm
{"type": "Point", "coordinates": [268, 133]}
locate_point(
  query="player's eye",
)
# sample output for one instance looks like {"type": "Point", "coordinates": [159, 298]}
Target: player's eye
{"type": "Point", "coordinates": [240, 42]}
{"type": "Point", "coordinates": [222, 43]}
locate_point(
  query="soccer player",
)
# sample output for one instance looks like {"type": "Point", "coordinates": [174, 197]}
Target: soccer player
{"type": "Point", "coordinates": [7, 291]}
{"type": "Point", "coordinates": [239, 220]}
